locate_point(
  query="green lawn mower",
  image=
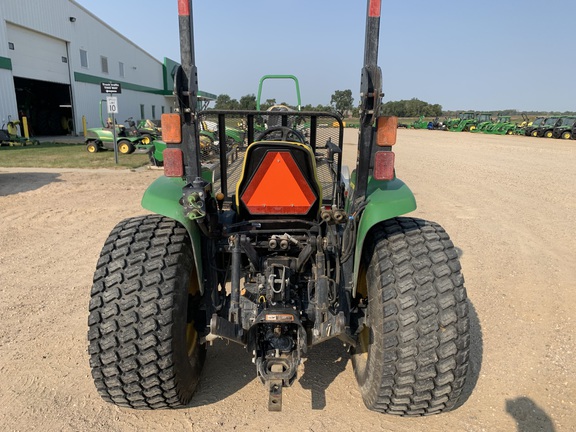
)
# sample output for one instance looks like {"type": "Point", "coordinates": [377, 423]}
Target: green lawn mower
{"type": "Point", "coordinates": [128, 139]}
{"type": "Point", "coordinates": [277, 247]}
{"type": "Point", "coordinates": [9, 135]}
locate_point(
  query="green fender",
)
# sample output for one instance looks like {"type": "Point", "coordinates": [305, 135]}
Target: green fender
{"type": "Point", "coordinates": [163, 197]}
{"type": "Point", "coordinates": [386, 200]}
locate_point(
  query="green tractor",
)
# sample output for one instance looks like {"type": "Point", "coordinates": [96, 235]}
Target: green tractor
{"type": "Point", "coordinates": [483, 122]}
{"type": "Point", "coordinates": [465, 122]}
{"type": "Point", "coordinates": [502, 126]}
{"type": "Point", "coordinates": [451, 123]}
{"type": "Point", "coordinates": [421, 123]}
{"type": "Point", "coordinates": [277, 247]}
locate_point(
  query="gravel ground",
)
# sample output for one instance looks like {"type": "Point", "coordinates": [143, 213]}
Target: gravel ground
{"type": "Point", "coordinates": [507, 202]}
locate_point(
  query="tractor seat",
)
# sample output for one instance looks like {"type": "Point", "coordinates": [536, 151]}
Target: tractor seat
{"type": "Point", "coordinates": [278, 179]}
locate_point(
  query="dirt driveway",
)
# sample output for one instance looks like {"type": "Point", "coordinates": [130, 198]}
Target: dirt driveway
{"type": "Point", "coordinates": [508, 203]}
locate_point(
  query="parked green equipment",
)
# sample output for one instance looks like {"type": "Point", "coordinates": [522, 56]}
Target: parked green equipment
{"type": "Point", "coordinates": [277, 247]}
{"type": "Point", "coordinates": [451, 123]}
{"type": "Point", "coordinates": [546, 129]}
{"type": "Point", "coordinates": [483, 121]}
{"type": "Point", "coordinates": [102, 138]}
{"type": "Point", "coordinates": [421, 123]}
{"type": "Point", "coordinates": [564, 128]}
{"type": "Point", "coordinates": [9, 135]}
{"type": "Point", "coordinates": [502, 126]}
{"type": "Point", "coordinates": [467, 120]}
{"type": "Point", "coordinates": [531, 127]}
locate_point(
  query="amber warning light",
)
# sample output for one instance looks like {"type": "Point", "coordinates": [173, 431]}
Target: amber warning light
{"type": "Point", "coordinates": [171, 129]}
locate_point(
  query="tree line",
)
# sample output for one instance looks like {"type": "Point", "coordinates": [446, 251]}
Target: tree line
{"type": "Point", "coordinates": [411, 108]}
{"type": "Point", "coordinates": [342, 102]}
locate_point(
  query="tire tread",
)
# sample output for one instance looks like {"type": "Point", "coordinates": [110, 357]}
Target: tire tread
{"type": "Point", "coordinates": [415, 269]}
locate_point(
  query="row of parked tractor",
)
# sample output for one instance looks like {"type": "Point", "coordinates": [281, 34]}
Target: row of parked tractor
{"type": "Point", "coordinates": [563, 127]}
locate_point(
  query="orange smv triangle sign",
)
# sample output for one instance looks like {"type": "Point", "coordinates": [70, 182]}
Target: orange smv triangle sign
{"type": "Point", "coordinates": [278, 187]}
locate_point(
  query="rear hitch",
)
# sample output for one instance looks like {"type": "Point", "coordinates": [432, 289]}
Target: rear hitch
{"type": "Point", "coordinates": [276, 372]}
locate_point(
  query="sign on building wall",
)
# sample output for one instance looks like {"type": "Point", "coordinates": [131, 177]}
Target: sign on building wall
{"type": "Point", "coordinates": [110, 88]}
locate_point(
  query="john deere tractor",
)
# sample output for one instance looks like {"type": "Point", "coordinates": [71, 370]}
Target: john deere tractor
{"type": "Point", "coordinates": [277, 247]}
{"type": "Point", "coordinates": [452, 123]}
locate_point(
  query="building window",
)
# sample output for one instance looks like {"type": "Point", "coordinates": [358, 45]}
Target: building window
{"type": "Point", "coordinates": [83, 58]}
{"type": "Point", "coordinates": [104, 61]}
{"type": "Point", "coordinates": [171, 110]}
{"type": "Point", "coordinates": [163, 109]}
{"type": "Point", "coordinates": [11, 45]}
{"type": "Point", "coordinates": [121, 67]}
{"type": "Point", "coordinates": [153, 112]}
{"type": "Point", "coordinates": [142, 114]}
{"type": "Point", "coordinates": [64, 59]}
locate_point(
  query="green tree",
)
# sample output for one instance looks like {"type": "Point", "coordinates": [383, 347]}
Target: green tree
{"type": "Point", "coordinates": [269, 103]}
{"type": "Point", "coordinates": [248, 102]}
{"type": "Point", "coordinates": [342, 101]}
{"type": "Point", "coordinates": [224, 102]}
{"type": "Point", "coordinates": [411, 108]}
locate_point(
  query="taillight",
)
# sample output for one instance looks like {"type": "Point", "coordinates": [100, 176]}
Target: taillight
{"type": "Point", "coordinates": [384, 165]}
{"type": "Point", "coordinates": [278, 187]}
{"type": "Point", "coordinates": [386, 131]}
{"type": "Point", "coordinates": [173, 162]}
{"type": "Point", "coordinates": [171, 129]}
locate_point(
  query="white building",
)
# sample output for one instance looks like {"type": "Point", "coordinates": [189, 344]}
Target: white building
{"type": "Point", "coordinates": [54, 55]}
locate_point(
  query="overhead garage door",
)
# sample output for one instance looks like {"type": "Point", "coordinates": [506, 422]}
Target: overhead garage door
{"type": "Point", "coordinates": [38, 56]}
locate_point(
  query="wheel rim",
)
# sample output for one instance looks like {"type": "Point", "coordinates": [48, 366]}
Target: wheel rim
{"type": "Point", "coordinates": [206, 144]}
{"type": "Point", "coordinates": [146, 140]}
{"type": "Point", "coordinates": [566, 135]}
{"type": "Point", "coordinates": [91, 148]}
{"type": "Point", "coordinates": [123, 148]}
{"type": "Point", "coordinates": [548, 134]}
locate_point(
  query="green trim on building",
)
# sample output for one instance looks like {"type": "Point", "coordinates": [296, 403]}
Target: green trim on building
{"type": "Point", "coordinates": [91, 79]}
{"type": "Point", "coordinates": [169, 68]}
{"type": "Point", "coordinates": [207, 95]}
{"type": "Point", "coordinates": [5, 63]}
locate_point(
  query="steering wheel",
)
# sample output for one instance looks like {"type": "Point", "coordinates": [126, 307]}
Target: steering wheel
{"type": "Point", "coordinates": [282, 133]}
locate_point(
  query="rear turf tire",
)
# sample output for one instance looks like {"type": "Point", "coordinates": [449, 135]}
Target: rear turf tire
{"type": "Point", "coordinates": [412, 356]}
{"type": "Point", "coordinates": [144, 349]}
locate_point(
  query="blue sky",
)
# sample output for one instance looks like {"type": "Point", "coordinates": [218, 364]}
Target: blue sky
{"type": "Point", "coordinates": [482, 55]}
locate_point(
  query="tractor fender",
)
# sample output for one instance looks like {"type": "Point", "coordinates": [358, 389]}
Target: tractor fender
{"type": "Point", "coordinates": [385, 200]}
{"type": "Point", "coordinates": [163, 197]}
